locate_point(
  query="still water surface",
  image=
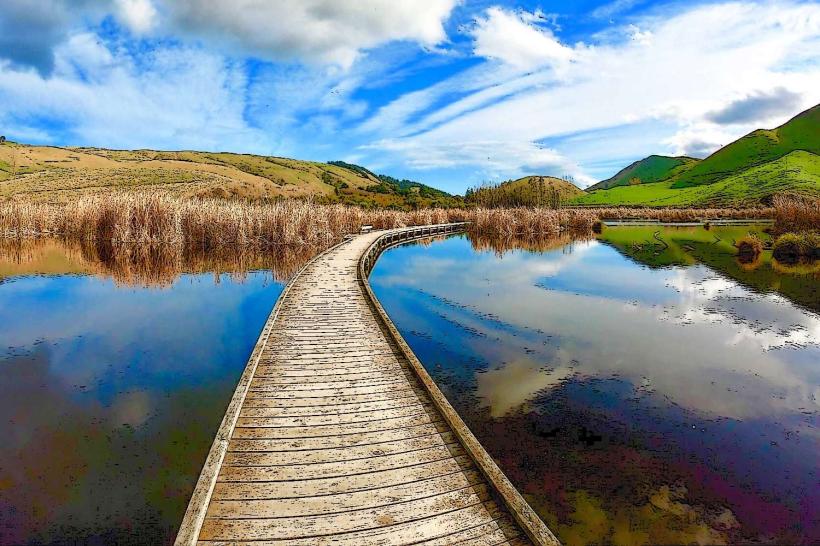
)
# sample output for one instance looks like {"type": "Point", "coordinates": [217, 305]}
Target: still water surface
{"type": "Point", "coordinates": [633, 393]}
{"type": "Point", "coordinates": [111, 393]}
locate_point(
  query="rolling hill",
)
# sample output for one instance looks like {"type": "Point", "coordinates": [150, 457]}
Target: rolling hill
{"type": "Point", "coordinates": [748, 171]}
{"type": "Point", "coordinates": [53, 174]}
{"type": "Point", "coordinates": [802, 132]}
{"type": "Point", "coordinates": [566, 190]}
{"type": "Point", "coordinates": [525, 191]}
{"type": "Point", "coordinates": [654, 168]}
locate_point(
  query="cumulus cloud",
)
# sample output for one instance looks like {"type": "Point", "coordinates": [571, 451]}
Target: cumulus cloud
{"type": "Point", "coordinates": [517, 39]}
{"type": "Point", "coordinates": [321, 31]}
{"type": "Point", "coordinates": [698, 140]}
{"type": "Point", "coordinates": [317, 31]}
{"type": "Point", "coordinates": [757, 107]}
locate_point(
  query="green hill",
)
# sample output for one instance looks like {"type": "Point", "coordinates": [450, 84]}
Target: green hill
{"type": "Point", "coordinates": [46, 173]}
{"type": "Point", "coordinates": [802, 132]}
{"type": "Point", "coordinates": [797, 172]}
{"type": "Point", "coordinates": [654, 168]}
{"type": "Point", "coordinates": [748, 171]}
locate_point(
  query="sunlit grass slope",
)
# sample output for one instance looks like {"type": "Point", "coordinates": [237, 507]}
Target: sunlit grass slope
{"type": "Point", "coordinates": [654, 168]}
{"type": "Point", "coordinates": [749, 171]}
{"type": "Point", "coordinates": [758, 147]}
{"type": "Point", "coordinates": [798, 172]}
{"type": "Point", "coordinates": [44, 173]}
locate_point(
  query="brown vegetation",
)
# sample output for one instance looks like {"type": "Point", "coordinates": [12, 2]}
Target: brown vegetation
{"type": "Point", "coordinates": [207, 225]}
{"type": "Point", "coordinates": [145, 265]}
{"type": "Point", "coordinates": [682, 215]}
{"type": "Point", "coordinates": [790, 248]}
{"type": "Point", "coordinates": [795, 214]}
{"type": "Point", "coordinates": [749, 247]}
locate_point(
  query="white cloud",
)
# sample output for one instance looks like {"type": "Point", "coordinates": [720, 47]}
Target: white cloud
{"type": "Point", "coordinates": [515, 38]}
{"type": "Point", "coordinates": [172, 98]}
{"type": "Point", "coordinates": [698, 140]}
{"type": "Point", "coordinates": [321, 31]}
{"type": "Point", "coordinates": [700, 60]}
{"type": "Point", "coordinates": [138, 15]}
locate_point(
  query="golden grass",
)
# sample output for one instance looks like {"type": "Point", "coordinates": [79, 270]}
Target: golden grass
{"type": "Point", "coordinates": [206, 224]}
{"type": "Point", "coordinates": [684, 214]}
{"type": "Point", "coordinates": [796, 214]}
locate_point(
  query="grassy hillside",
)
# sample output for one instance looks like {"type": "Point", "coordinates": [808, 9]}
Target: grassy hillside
{"type": "Point", "coordinates": [797, 172]}
{"type": "Point", "coordinates": [758, 147]}
{"type": "Point", "coordinates": [654, 168]}
{"type": "Point", "coordinates": [44, 173]}
{"type": "Point", "coordinates": [746, 172]}
{"type": "Point", "coordinates": [566, 190]}
{"type": "Point", "coordinates": [526, 191]}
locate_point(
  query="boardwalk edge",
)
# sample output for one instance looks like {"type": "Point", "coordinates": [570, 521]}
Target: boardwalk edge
{"type": "Point", "coordinates": [521, 511]}
{"type": "Point", "coordinates": [201, 497]}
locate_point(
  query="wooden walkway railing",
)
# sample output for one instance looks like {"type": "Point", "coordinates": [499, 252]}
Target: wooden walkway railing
{"type": "Point", "coordinates": [337, 435]}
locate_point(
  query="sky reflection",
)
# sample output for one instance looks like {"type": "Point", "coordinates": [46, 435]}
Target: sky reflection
{"type": "Point", "coordinates": [699, 369]}
{"type": "Point", "coordinates": [112, 395]}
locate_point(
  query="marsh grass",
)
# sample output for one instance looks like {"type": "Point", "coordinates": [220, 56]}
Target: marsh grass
{"type": "Point", "coordinates": [207, 224]}
{"type": "Point", "coordinates": [796, 214]}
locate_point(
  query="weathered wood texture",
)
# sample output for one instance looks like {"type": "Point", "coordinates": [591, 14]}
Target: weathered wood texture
{"type": "Point", "coordinates": [333, 437]}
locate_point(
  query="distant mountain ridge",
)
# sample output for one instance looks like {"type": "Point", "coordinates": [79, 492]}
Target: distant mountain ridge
{"type": "Point", "coordinates": [747, 171]}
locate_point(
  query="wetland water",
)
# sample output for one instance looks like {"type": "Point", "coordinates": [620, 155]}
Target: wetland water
{"type": "Point", "coordinates": [637, 388]}
{"type": "Point", "coordinates": [112, 386]}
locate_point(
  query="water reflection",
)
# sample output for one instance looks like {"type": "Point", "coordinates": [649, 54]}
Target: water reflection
{"type": "Point", "coordinates": [631, 402]}
{"type": "Point", "coordinates": [145, 265]}
{"type": "Point", "coordinates": [114, 376]}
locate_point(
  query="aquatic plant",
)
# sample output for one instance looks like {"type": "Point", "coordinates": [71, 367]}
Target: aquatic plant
{"type": "Point", "coordinates": [749, 246]}
{"type": "Point", "coordinates": [790, 248]}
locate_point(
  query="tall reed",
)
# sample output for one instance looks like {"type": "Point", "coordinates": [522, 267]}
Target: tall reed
{"type": "Point", "coordinates": [208, 223]}
{"type": "Point", "coordinates": [796, 214]}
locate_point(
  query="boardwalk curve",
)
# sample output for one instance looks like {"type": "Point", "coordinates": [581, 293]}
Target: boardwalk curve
{"type": "Point", "coordinates": [337, 435]}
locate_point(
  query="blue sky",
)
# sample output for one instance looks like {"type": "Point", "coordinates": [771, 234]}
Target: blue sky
{"type": "Point", "coordinates": [448, 92]}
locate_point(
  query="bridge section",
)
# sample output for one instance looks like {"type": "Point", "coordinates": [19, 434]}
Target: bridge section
{"type": "Point", "coordinates": [336, 434]}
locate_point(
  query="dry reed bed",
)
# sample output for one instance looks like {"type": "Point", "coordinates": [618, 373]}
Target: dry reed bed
{"type": "Point", "coordinates": [796, 214]}
{"type": "Point", "coordinates": [213, 223]}
{"type": "Point", "coordinates": [683, 215]}
{"type": "Point", "coordinates": [208, 224]}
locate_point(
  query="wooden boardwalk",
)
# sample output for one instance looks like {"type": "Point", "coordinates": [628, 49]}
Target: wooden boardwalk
{"type": "Point", "coordinates": [336, 434]}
